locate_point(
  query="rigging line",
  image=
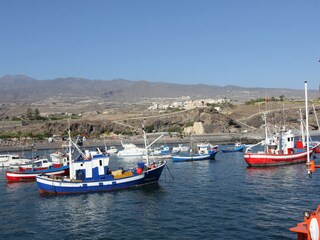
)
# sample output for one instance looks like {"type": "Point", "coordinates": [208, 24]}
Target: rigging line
{"type": "Point", "coordinates": [315, 114]}
{"type": "Point", "coordinates": [169, 172]}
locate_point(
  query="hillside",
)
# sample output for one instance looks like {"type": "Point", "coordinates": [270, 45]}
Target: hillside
{"type": "Point", "coordinates": [19, 88]}
{"type": "Point", "coordinates": [119, 107]}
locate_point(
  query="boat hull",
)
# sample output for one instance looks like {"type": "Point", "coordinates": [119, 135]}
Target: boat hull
{"type": "Point", "coordinates": [124, 155]}
{"type": "Point", "coordinates": [197, 157]}
{"type": "Point", "coordinates": [264, 160]}
{"type": "Point", "coordinates": [30, 175]}
{"type": "Point", "coordinates": [235, 149]}
{"type": "Point", "coordinates": [22, 169]}
{"type": "Point", "coordinates": [49, 185]}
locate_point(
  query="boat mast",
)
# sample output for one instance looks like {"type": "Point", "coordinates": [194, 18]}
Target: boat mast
{"type": "Point", "coordinates": [32, 157]}
{"type": "Point", "coordinates": [265, 130]}
{"type": "Point", "coordinates": [307, 124]}
{"type": "Point", "coordinates": [146, 144]}
{"type": "Point", "coordinates": [303, 138]}
{"type": "Point", "coordinates": [71, 173]}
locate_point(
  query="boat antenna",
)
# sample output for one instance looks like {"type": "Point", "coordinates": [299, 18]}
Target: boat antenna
{"type": "Point", "coordinates": [303, 138]}
{"type": "Point", "coordinates": [283, 111]}
{"type": "Point", "coordinates": [307, 125]}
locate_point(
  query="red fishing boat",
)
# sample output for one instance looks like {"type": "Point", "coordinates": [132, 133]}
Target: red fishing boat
{"type": "Point", "coordinates": [281, 148]}
{"type": "Point", "coordinates": [30, 175]}
{"type": "Point", "coordinates": [39, 164]}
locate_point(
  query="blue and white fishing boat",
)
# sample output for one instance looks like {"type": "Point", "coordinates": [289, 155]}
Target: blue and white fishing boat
{"type": "Point", "coordinates": [90, 173]}
{"type": "Point", "coordinates": [238, 147]}
{"type": "Point", "coordinates": [205, 152]}
{"type": "Point", "coordinates": [180, 148]}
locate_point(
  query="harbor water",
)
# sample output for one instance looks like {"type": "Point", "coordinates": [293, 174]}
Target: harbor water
{"type": "Point", "coordinates": [210, 199]}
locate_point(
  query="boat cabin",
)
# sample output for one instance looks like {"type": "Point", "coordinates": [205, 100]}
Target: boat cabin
{"type": "Point", "coordinates": [281, 143]}
{"type": "Point", "coordinates": [94, 166]}
{"type": "Point", "coordinates": [5, 158]}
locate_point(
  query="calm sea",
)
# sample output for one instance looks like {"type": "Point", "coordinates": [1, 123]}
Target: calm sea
{"type": "Point", "coordinates": [213, 199]}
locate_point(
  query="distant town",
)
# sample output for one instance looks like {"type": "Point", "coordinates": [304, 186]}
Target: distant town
{"type": "Point", "coordinates": [189, 104]}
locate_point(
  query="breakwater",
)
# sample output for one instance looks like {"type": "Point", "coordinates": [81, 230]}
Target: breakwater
{"type": "Point", "coordinates": [218, 138]}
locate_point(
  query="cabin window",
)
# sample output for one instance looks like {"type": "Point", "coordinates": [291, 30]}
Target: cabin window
{"type": "Point", "coordinates": [100, 161]}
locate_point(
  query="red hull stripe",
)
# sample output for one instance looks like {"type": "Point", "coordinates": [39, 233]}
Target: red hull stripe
{"type": "Point", "coordinates": [262, 159]}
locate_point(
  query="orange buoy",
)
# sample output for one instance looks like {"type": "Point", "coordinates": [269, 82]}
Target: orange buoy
{"type": "Point", "coordinates": [139, 170]}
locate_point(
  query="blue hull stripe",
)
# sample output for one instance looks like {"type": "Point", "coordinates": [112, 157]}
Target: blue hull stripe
{"type": "Point", "coordinates": [181, 158]}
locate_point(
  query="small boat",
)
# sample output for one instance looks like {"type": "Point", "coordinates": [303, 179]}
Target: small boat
{"type": "Point", "coordinates": [205, 152]}
{"type": "Point", "coordinates": [59, 159]}
{"type": "Point", "coordinates": [180, 148]}
{"type": "Point", "coordinates": [90, 173]}
{"type": "Point", "coordinates": [30, 175]}
{"type": "Point", "coordinates": [238, 147]}
{"type": "Point", "coordinates": [162, 150]}
{"type": "Point", "coordinates": [195, 157]}
{"type": "Point", "coordinates": [112, 150]}
{"type": "Point", "coordinates": [130, 150]}
{"type": "Point", "coordinates": [164, 156]}
{"type": "Point", "coordinates": [204, 148]}
{"type": "Point", "coordinates": [12, 161]}
{"type": "Point", "coordinates": [39, 164]}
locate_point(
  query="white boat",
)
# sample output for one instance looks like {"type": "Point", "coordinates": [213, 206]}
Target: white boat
{"type": "Point", "coordinates": [162, 150]}
{"type": "Point", "coordinates": [37, 164]}
{"type": "Point", "coordinates": [164, 156]}
{"type": "Point", "coordinates": [112, 150]}
{"type": "Point", "coordinates": [204, 148]}
{"type": "Point", "coordinates": [130, 150]}
{"type": "Point", "coordinates": [59, 159]}
{"type": "Point", "coordinates": [180, 148]}
{"type": "Point", "coordinates": [11, 160]}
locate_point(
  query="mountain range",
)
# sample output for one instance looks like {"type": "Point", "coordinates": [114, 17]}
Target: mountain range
{"type": "Point", "coordinates": [21, 88]}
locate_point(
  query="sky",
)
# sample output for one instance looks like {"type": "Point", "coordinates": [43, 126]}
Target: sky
{"type": "Point", "coordinates": [246, 43]}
